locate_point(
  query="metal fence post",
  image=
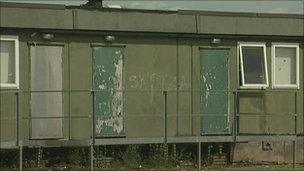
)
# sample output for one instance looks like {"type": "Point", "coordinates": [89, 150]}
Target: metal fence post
{"type": "Point", "coordinates": [20, 158]}
{"type": "Point", "coordinates": [296, 111]}
{"type": "Point", "coordinates": [165, 117]}
{"type": "Point", "coordinates": [17, 118]}
{"type": "Point", "coordinates": [235, 113]}
{"type": "Point", "coordinates": [17, 131]}
{"type": "Point", "coordinates": [294, 154]}
{"type": "Point", "coordinates": [93, 133]}
{"type": "Point", "coordinates": [199, 153]}
{"type": "Point", "coordinates": [93, 117]}
{"type": "Point", "coordinates": [92, 156]}
{"type": "Point", "coordinates": [294, 158]}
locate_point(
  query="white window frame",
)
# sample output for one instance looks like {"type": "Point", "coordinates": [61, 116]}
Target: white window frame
{"type": "Point", "coordinates": [285, 86]}
{"type": "Point", "coordinates": [15, 39]}
{"type": "Point", "coordinates": [252, 44]}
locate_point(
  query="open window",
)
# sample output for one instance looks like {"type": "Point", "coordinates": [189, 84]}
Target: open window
{"type": "Point", "coordinates": [9, 62]}
{"type": "Point", "coordinates": [253, 65]}
{"type": "Point", "coordinates": [285, 65]}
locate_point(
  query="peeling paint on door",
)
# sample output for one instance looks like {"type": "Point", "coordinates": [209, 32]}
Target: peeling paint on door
{"type": "Point", "coordinates": [214, 86]}
{"type": "Point", "coordinates": [108, 98]}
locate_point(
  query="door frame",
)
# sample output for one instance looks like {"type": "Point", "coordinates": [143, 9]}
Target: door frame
{"type": "Point", "coordinates": [123, 134]}
{"type": "Point", "coordinates": [229, 116]}
{"type": "Point", "coordinates": [30, 44]}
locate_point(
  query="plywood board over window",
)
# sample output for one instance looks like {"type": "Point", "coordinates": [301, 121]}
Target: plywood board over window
{"type": "Point", "coordinates": [46, 95]}
{"type": "Point", "coordinates": [285, 65]}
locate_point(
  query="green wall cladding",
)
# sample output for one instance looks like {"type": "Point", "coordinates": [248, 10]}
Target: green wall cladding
{"type": "Point", "coordinates": [149, 70]}
{"type": "Point", "coordinates": [151, 65]}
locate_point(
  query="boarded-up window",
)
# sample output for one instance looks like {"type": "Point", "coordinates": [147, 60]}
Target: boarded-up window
{"type": "Point", "coordinates": [46, 96]}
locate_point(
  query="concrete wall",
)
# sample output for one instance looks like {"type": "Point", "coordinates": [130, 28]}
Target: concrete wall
{"type": "Point", "coordinates": [277, 152]}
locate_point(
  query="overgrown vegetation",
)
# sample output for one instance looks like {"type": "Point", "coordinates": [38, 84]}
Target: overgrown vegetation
{"type": "Point", "coordinates": [144, 156]}
{"type": "Point", "coordinates": [156, 156]}
{"type": "Point", "coordinates": [9, 159]}
{"type": "Point", "coordinates": [131, 157]}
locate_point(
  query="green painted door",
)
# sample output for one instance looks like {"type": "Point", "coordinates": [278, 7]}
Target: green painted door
{"type": "Point", "coordinates": [214, 95]}
{"type": "Point", "coordinates": [108, 97]}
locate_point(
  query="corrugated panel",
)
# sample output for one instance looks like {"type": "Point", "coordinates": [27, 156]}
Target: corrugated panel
{"type": "Point", "coordinates": [214, 86]}
{"type": "Point", "coordinates": [108, 99]}
{"type": "Point", "coordinates": [46, 74]}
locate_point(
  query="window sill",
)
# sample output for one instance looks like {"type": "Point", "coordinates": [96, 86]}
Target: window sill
{"type": "Point", "coordinates": [292, 86]}
{"type": "Point", "coordinates": [9, 86]}
{"type": "Point", "coordinates": [254, 86]}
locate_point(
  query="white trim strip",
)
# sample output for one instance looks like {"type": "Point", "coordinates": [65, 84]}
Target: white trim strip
{"type": "Point", "coordinates": [14, 85]}
{"type": "Point", "coordinates": [243, 82]}
{"type": "Point", "coordinates": [273, 56]}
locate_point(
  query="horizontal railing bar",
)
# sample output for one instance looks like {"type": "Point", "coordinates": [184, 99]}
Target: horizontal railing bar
{"type": "Point", "coordinates": [148, 140]}
{"type": "Point", "coordinates": [154, 115]}
{"type": "Point", "coordinates": [1, 119]}
{"type": "Point", "coordinates": [148, 90]}
{"type": "Point", "coordinates": [266, 114]}
{"type": "Point", "coordinates": [51, 117]}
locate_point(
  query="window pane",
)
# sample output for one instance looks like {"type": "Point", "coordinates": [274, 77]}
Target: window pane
{"type": "Point", "coordinates": [285, 65]}
{"type": "Point", "coordinates": [7, 61]}
{"type": "Point", "coordinates": [253, 64]}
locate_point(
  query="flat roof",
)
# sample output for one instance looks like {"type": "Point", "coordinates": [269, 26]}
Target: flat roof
{"type": "Point", "coordinates": [78, 18]}
{"type": "Point", "coordinates": [216, 13]}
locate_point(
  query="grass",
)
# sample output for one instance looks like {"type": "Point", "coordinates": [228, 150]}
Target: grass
{"type": "Point", "coordinates": [255, 168]}
{"type": "Point", "coordinates": [157, 157]}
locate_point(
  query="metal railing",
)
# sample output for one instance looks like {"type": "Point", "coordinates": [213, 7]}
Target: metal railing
{"type": "Point", "coordinates": [164, 112]}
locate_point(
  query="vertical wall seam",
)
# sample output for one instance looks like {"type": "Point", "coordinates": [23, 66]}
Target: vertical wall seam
{"type": "Point", "coordinates": [236, 23]}
{"type": "Point", "coordinates": [197, 23]}
{"type": "Point", "coordinates": [123, 92]}
{"type": "Point", "coordinates": [92, 98]}
{"type": "Point", "coordinates": [191, 87]}
{"type": "Point", "coordinates": [117, 22]}
{"type": "Point", "coordinates": [63, 88]}
{"type": "Point", "coordinates": [30, 89]}
{"type": "Point", "coordinates": [266, 126]}
{"type": "Point", "coordinates": [177, 86]}
{"type": "Point", "coordinates": [69, 75]}
{"type": "Point", "coordinates": [75, 19]}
